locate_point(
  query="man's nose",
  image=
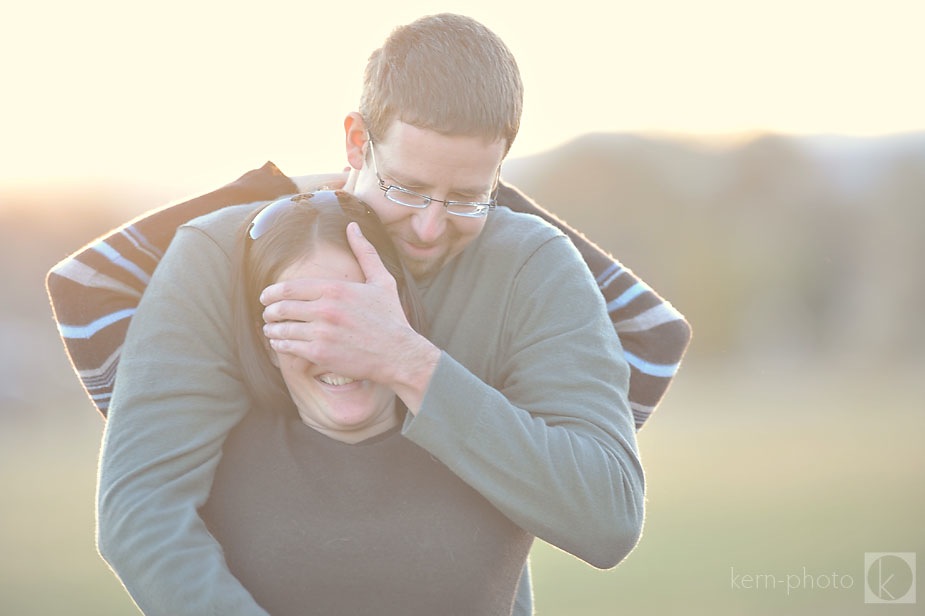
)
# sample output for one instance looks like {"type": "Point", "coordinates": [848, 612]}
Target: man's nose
{"type": "Point", "coordinates": [429, 223]}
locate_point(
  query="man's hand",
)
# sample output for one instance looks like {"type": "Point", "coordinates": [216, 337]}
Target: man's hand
{"type": "Point", "coordinates": [356, 329]}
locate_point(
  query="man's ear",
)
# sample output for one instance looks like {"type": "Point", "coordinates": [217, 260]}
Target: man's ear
{"type": "Point", "coordinates": [356, 137]}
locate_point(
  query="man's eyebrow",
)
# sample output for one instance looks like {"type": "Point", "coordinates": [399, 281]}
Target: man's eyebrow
{"type": "Point", "coordinates": [403, 181]}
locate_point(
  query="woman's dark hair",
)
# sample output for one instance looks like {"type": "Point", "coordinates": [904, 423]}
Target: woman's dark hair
{"type": "Point", "coordinates": [281, 234]}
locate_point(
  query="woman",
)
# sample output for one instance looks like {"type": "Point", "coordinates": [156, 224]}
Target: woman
{"type": "Point", "coordinates": [319, 502]}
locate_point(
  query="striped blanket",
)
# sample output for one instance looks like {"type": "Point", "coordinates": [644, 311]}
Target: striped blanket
{"type": "Point", "coordinates": [95, 291]}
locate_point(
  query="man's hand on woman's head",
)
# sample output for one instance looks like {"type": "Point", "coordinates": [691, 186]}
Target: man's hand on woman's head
{"type": "Point", "coordinates": [356, 329]}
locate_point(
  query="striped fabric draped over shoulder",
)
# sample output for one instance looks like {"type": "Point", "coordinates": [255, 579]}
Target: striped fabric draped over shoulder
{"type": "Point", "coordinates": [95, 291]}
{"type": "Point", "coordinates": [653, 333]}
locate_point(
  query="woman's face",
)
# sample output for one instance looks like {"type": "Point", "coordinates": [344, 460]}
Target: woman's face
{"type": "Point", "coordinates": [343, 409]}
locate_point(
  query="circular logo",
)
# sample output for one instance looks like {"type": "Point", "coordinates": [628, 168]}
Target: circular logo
{"type": "Point", "coordinates": [890, 577]}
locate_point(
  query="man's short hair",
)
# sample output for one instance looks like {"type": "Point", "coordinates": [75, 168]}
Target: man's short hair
{"type": "Point", "coordinates": [447, 73]}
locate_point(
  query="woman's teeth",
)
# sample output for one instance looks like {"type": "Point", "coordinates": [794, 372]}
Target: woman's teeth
{"type": "Point", "coordinates": [335, 379]}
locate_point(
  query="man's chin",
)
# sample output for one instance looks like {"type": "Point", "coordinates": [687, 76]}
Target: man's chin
{"type": "Point", "coordinates": [423, 270]}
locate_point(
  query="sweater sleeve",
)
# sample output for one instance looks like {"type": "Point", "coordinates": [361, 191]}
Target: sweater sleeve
{"type": "Point", "coordinates": [553, 446]}
{"type": "Point", "coordinates": [654, 334]}
{"type": "Point", "coordinates": [177, 397]}
{"type": "Point", "coordinates": [95, 291]}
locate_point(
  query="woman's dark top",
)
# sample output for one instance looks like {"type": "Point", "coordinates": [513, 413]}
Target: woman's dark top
{"type": "Point", "coordinates": [311, 525]}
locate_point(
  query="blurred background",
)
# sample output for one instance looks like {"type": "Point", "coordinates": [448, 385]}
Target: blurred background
{"type": "Point", "coordinates": [762, 165]}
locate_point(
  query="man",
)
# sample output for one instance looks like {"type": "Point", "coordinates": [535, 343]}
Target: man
{"type": "Point", "coordinates": [521, 389]}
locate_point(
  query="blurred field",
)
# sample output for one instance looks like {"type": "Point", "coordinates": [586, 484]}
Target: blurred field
{"type": "Point", "coordinates": [761, 470]}
{"type": "Point", "coordinates": [774, 472]}
{"type": "Point", "coordinates": [790, 445]}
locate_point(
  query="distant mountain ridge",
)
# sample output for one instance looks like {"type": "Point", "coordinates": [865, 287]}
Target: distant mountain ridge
{"type": "Point", "coordinates": [771, 244]}
{"type": "Point", "coordinates": [849, 164]}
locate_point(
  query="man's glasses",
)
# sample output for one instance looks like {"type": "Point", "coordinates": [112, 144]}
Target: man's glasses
{"type": "Point", "coordinates": [409, 198]}
{"type": "Point", "coordinates": [353, 208]}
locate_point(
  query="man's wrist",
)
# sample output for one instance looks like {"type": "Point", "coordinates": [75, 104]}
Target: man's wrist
{"type": "Point", "coordinates": [414, 372]}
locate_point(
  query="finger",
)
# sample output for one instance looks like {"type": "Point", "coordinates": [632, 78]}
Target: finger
{"type": "Point", "coordinates": [305, 289]}
{"type": "Point", "coordinates": [331, 307]}
{"type": "Point", "coordinates": [290, 310]}
{"type": "Point", "coordinates": [288, 330]}
{"type": "Point", "coordinates": [308, 350]}
{"type": "Point", "coordinates": [366, 256]}
{"type": "Point", "coordinates": [296, 348]}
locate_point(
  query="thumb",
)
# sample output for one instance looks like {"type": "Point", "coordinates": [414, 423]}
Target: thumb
{"type": "Point", "coordinates": [366, 255]}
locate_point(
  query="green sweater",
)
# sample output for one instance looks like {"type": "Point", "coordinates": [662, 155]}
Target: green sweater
{"type": "Point", "coordinates": [528, 406]}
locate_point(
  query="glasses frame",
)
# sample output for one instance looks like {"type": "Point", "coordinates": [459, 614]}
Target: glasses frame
{"type": "Point", "coordinates": [480, 210]}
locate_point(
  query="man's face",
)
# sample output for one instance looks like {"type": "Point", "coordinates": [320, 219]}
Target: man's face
{"type": "Point", "coordinates": [457, 168]}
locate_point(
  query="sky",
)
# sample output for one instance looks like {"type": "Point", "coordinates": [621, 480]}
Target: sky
{"type": "Point", "coordinates": [193, 93]}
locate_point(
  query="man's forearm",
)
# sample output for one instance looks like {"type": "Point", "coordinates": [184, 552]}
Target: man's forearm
{"type": "Point", "coordinates": [530, 407]}
{"type": "Point", "coordinates": [177, 397]}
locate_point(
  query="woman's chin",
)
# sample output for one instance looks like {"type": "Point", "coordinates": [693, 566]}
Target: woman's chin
{"type": "Point", "coordinates": [352, 424]}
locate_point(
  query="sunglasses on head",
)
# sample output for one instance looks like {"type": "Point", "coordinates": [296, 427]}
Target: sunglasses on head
{"type": "Point", "coordinates": [353, 209]}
